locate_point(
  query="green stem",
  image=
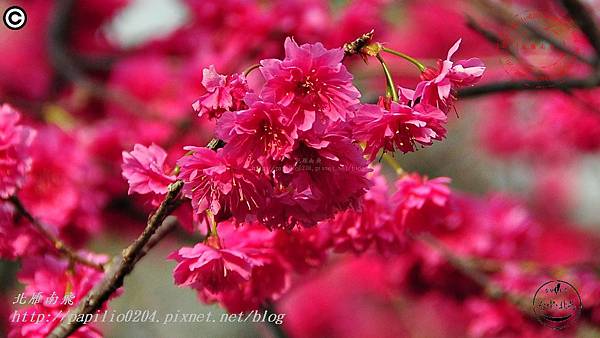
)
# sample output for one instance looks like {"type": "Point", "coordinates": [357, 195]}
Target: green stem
{"type": "Point", "coordinates": [405, 57]}
{"type": "Point", "coordinates": [393, 164]}
{"type": "Point", "coordinates": [213, 224]}
{"type": "Point", "coordinates": [391, 88]}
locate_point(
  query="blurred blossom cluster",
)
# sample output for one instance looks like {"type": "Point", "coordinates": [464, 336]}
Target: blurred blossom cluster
{"type": "Point", "coordinates": [289, 148]}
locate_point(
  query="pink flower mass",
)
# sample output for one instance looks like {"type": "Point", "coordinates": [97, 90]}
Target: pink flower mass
{"type": "Point", "coordinates": [300, 168]}
{"type": "Point", "coordinates": [15, 141]}
{"type": "Point", "coordinates": [221, 93]}
{"type": "Point", "coordinates": [312, 81]}
{"type": "Point", "coordinates": [146, 171]}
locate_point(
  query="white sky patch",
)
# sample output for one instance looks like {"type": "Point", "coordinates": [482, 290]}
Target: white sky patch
{"type": "Point", "coordinates": [145, 19]}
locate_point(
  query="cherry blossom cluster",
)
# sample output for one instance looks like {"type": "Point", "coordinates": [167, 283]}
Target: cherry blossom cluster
{"type": "Point", "coordinates": [294, 179]}
{"type": "Point", "coordinates": [513, 251]}
{"type": "Point", "coordinates": [291, 155]}
{"type": "Point", "coordinates": [52, 283]}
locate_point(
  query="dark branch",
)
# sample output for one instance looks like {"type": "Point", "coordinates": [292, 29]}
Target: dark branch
{"type": "Point", "coordinates": [581, 15]}
{"type": "Point", "coordinates": [466, 267]}
{"type": "Point", "coordinates": [56, 243]}
{"type": "Point", "coordinates": [503, 15]}
{"type": "Point", "coordinates": [65, 64]}
{"type": "Point", "coordinates": [121, 265]}
{"type": "Point", "coordinates": [529, 85]}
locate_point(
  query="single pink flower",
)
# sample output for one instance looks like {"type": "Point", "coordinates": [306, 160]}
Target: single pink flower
{"type": "Point", "coordinates": [221, 93]}
{"type": "Point", "coordinates": [392, 126]}
{"type": "Point", "coordinates": [496, 227]}
{"type": "Point", "coordinates": [312, 81]}
{"type": "Point", "coordinates": [216, 182]}
{"type": "Point", "coordinates": [261, 132]}
{"type": "Point", "coordinates": [64, 191]}
{"type": "Point", "coordinates": [214, 269]}
{"type": "Point", "coordinates": [301, 248]}
{"type": "Point", "coordinates": [269, 277]}
{"type": "Point", "coordinates": [15, 142]}
{"type": "Point", "coordinates": [437, 85]}
{"type": "Point", "coordinates": [422, 204]}
{"type": "Point", "coordinates": [145, 170]}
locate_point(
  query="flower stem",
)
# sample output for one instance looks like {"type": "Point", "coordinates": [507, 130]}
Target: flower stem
{"type": "Point", "coordinates": [212, 224]}
{"type": "Point", "coordinates": [391, 161]}
{"type": "Point", "coordinates": [391, 88]}
{"type": "Point", "coordinates": [405, 57]}
{"type": "Point", "coordinates": [250, 69]}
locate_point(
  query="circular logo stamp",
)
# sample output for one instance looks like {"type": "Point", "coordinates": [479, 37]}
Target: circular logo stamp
{"type": "Point", "coordinates": [537, 53]}
{"type": "Point", "coordinates": [557, 304]}
{"type": "Point", "coordinates": [14, 17]}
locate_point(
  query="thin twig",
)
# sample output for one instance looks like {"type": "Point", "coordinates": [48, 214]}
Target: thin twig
{"type": "Point", "coordinates": [582, 17]}
{"type": "Point", "coordinates": [163, 231]}
{"type": "Point", "coordinates": [494, 39]}
{"type": "Point", "coordinates": [491, 289]}
{"type": "Point", "coordinates": [529, 85]}
{"type": "Point", "coordinates": [58, 244]}
{"type": "Point", "coordinates": [65, 64]}
{"type": "Point", "coordinates": [502, 14]}
{"type": "Point", "coordinates": [121, 266]}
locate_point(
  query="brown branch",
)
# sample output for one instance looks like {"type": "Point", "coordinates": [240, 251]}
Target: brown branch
{"type": "Point", "coordinates": [529, 85]}
{"type": "Point", "coordinates": [582, 17]}
{"type": "Point", "coordinates": [56, 243]}
{"type": "Point", "coordinates": [494, 39]}
{"type": "Point", "coordinates": [169, 224]}
{"type": "Point", "coordinates": [505, 16]}
{"type": "Point", "coordinates": [121, 265]}
{"type": "Point", "coordinates": [470, 270]}
{"type": "Point", "coordinates": [65, 62]}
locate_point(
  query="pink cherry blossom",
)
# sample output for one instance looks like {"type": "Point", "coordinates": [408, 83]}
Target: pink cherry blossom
{"type": "Point", "coordinates": [422, 204]}
{"type": "Point", "coordinates": [53, 279]}
{"type": "Point", "coordinates": [390, 125]}
{"type": "Point", "coordinates": [220, 93]}
{"type": "Point", "coordinates": [241, 269]}
{"type": "Point", "coordinates": [63, 191]}
{"type": "Point", "coordinates": [321, 177]}
{"type": "Point", "coordinates": [312, 81]}
{"type": "Point", "coordinates": [437, 85]}
{"type": "Point", "coordinates": [262, 132]}
{"type": "Point", "coordinates": [209, 268]}
{"type": "Point", "coordinates": [146, 171]}
{"type": "Point", "coordinates": [15, 141]}
{"type": "Point", "coordinates": [270, 276]}
{"type": "Point", "coordinates": [216, 182]}
{"type": "Point", "coordinates": [303, 249]}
